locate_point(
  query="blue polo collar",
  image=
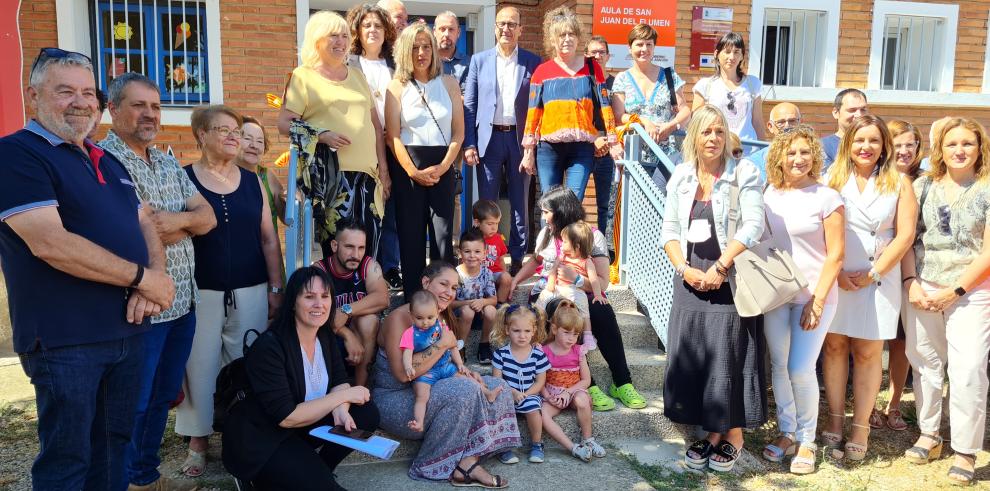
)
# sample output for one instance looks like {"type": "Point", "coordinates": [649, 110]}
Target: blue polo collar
{"type": "Point", "coordinates": [35, 127]}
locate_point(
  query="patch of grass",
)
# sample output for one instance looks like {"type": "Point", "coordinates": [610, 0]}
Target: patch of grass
{"type": "Point", "coordinates": [18, 422]}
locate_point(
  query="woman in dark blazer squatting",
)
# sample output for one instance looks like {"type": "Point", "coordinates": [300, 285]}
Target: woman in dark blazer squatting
{"type": "Point", "coordinates": [298, 382]}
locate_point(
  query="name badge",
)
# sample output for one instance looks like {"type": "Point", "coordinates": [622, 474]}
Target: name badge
{"type": "Point", "coordinates": [699, 231]}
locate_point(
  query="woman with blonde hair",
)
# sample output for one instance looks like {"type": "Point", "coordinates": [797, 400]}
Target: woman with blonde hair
{"type": "Point", "coordinates": [946, 277]}
{"type": "Point", "coordinates": [335, 102]}
{"type": "Point", "coordinates": [567, 94]}
{"type": "Point", "coordinates": [425, 129]}
{"type": "Point", "coordinates": [715, 377]}
{"type": "Point", "coordinates": [907, 152]}
{"type": "Point", "coordinates": [806, 220]}
{"type": "Point", "coordinates": [881, 213]}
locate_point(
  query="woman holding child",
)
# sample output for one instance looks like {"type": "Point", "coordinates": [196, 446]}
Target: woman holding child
{"type": "Point", "coordinates": [460, 426]}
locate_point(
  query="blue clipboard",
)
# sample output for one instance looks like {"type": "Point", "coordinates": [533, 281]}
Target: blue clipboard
{"type": "Point", "coordinates": [376, 446]}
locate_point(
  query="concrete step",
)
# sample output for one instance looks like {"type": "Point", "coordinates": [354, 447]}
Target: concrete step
{"type": "Point", "coordinates": [637, 332]}
{"type": "Point", "coordinates": [646, 365]}
{"type": "Point", "coordinates": [618, 424]}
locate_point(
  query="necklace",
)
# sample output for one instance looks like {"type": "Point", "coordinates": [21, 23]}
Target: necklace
{"type": "Point", "coordinates": [220, 177]}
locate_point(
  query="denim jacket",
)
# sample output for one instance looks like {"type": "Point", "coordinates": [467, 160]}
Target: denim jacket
{"type": "Point", "coordinates": [682, 187]}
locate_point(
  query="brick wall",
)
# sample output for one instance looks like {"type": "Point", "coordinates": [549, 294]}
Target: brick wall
{"type": "Point", "coordinates": [37, 23]}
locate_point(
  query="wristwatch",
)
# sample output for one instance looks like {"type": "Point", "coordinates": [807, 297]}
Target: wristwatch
{"type": "Point", "coordinates": [346, 309]}
{"type": "Point", "coordinates": [275, 289]}
{"type": "Point", "coordinates": [959, 291]}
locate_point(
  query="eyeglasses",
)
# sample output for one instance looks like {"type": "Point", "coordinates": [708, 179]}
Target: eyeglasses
{"type": "Point", "coordinates": [598, 52]}
{"type": "Point", "coordinates": [507, 25]}
{"type": "Point", "coordinates": [786, 123]}
{"type": "Point", "coordinates": [56, 54]}
{"type": "Point", "coordinates": [944, 219]}
{"type": "Point", "coordinates": [732, 102]}
{"type": "Point", "coordinates": [224, 132]}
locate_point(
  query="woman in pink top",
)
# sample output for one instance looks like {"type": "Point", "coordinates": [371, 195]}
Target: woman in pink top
{"type": "Point", "coordinates": [806, 220]}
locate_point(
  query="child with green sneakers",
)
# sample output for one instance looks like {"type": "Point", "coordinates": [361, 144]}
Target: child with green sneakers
{"type": "Point", "coordinates": [568, 380]}
{"type": "Point", "coordinates": [522, 364]}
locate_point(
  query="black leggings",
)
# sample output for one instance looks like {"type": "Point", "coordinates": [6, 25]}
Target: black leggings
{"type": "Point", "coordinates": [606, 330]}
{"type": "Point", "coordinates": [415, 206]}
{"type": "Point", "coordinates": [296, 465]}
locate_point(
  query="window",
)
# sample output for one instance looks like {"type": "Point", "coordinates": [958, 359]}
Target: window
{"type": "Point", "coordinates": [913, 46]}
{"type": "Point", "coordinates": [164, 40]}
{"type": "Point", "coordinates": [790, 41]}
{"type": "Point", "coordinates": [794, 43]}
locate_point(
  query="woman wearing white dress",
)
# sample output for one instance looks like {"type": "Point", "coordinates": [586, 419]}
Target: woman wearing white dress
{"type": "Point", "coordinates": [880, 218]}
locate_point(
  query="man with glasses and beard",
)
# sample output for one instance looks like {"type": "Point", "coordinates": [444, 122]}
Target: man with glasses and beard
{"type": "Point", "coordinates": [84, 267]}
{"type": "Point", "coordinates": [361, 296]}
{"type": "Point", "coordinates": [179, 212]}
{"type": "Point", "coordinates": [783, 118]}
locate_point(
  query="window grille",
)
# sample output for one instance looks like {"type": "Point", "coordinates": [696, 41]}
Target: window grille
{"type": "Point", "coordinates": [912, 52]}
{"type": "Point", "coordinates": [794, 47]}
{"type": "Point", "coordinates": [164, 40]}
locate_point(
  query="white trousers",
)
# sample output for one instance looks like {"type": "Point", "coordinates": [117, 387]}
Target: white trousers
{"type": "Point", "coordinates": [960, 338]}
{"type": "Point", "coordinates": [219, 340]}
{"type": "Point", "coordinates": [793, 353]}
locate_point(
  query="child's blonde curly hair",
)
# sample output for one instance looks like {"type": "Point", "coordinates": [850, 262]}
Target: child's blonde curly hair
{"type": "Point", "coordinates": [505, 316]}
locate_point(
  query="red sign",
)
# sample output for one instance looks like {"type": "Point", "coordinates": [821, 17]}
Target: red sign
{"type": "Point", "coordinates": [708, 25]}
{"type": "Point", "coordinates": [11, 91]}
{"type": "Point", "coordinates": [613, 19]}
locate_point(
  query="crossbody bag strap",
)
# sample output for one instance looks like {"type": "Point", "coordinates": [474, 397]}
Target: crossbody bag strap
{"type": "Point", "coordinates": [921, 209]}
{"type": "Point", "coordinates": [422, 95]}
{"type": "Point", "coordinates": [668, 75]}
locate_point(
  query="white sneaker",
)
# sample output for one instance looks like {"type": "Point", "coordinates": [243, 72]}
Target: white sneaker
{"type": "Point", "coordinates": [597, 450]}
{"type": "Point", "coordinates": [590, 343]}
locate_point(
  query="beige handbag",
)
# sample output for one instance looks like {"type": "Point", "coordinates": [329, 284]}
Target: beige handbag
{"type": "Point", "coordinates": [763, 276]}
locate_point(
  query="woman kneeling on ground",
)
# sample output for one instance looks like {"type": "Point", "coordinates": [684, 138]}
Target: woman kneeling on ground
{"type": "Point", "coordinates": [461, 427]}
{"type": "Point", "coordinates": [298, 382]}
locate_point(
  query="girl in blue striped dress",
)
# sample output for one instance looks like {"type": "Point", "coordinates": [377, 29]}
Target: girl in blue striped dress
{"type": "Point", "coordinates": [523, 365]}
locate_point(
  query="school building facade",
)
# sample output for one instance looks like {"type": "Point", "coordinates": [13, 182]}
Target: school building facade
{"type": "Point", "coordinates": [915, 60]}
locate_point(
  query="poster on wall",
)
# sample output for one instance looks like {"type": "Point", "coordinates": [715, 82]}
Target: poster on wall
{"type": "Point", "coordinates": [11, 90]}
{"type": "Point", "coordinates": [708, 25]}
{"type": "Point", "coordinates": [614, 18]}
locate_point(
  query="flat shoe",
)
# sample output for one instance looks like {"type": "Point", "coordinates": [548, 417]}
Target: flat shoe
{"type": "Point", "coordinates": [195, 464]}
{"type": "Point", "coordinates": [877, 420]}
{"type": "Point", "coordinates": [895, 420]}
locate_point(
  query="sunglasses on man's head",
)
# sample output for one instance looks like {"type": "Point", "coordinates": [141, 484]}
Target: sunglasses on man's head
{"type": "Point", "coordinates": [56, 54]}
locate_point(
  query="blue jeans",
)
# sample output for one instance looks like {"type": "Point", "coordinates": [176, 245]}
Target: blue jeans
{"type": "Point", "coordinates": [557, 161]}
{"type": "Point", "coordinates": [86, 396]}
{"type": "Point", "coordinates": [604, 170]}
{"type": "Point", "coordinates": [502, 157]}
{"type": "Point", "coordinates": [166, 349]}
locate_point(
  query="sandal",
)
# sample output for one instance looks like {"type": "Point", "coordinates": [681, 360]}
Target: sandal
{"type": "Point", "coordinates": [703, 448]}
{"type": "Point", "coordinates": [922, 455]}
{"type": "Point", "coordinates": [856, 451]}
{"type": "Point", "coordinates": [194, 464]}
{"type": "Point", "coordinates": [833, 440]}
{"type": "Point", "coordinates": [877, 419]}
{"type": "Point", "coordinates": [959, 476]}
{"type": "Point", "coordinates": [802, 464]}
{"type": "Point", "coordinates": [895, 420]}
{"type": "Point", "coordinates": [728, 451]}
{"type": "Point", "coordinates": [469, 481]}
{"type": "Point", "coordinates": [775, 453]}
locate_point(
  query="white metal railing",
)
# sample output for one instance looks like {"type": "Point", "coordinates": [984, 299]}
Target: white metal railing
{"type": "Point", "coordinates": [643, 264]}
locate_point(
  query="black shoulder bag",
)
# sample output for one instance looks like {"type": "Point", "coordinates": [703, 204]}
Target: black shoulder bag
{"type": "Point", "coordinates": [233, 386]}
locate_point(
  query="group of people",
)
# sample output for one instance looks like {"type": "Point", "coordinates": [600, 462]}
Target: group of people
{"type": "Point", "coordinates": [166, 273]}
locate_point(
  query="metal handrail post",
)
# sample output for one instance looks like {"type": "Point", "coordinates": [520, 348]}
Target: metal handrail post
{"type": "Point", "coordinates": [291, 213]}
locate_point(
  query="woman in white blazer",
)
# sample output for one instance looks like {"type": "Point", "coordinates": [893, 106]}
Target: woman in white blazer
{"type": "Point", "coordinates": [880, 221]}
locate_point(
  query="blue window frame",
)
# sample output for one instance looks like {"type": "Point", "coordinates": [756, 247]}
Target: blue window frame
{"type": "Point", "coordinates": [165, 40]}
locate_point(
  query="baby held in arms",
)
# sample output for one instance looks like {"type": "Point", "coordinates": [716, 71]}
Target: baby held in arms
{"type": "Point", "coordinates": [422, 335]}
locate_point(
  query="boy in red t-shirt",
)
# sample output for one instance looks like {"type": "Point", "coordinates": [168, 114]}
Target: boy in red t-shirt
{"type": "Point", "coordinates": [487, 215]}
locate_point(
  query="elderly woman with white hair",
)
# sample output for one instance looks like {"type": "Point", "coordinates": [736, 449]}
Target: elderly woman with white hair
{"type": "Point", "coordinates": [335, 98]}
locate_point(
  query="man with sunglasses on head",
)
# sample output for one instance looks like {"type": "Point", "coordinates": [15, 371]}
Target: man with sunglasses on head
{"type": "Point", "coordinates": [179, 212]}
{"type": "Point", "coordinates": [496, 98]}
{"type": "Point", "coordinates": [783, 118]}
{"type": "Point", "coordinates": [85, 268]}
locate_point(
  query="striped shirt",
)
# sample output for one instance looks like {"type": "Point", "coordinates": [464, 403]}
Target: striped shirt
{"type": "Point", "coordinates": [562, 106]}
{"type": "Point", "coordinates": [520, 376]}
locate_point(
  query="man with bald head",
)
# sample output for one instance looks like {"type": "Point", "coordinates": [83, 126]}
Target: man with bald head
{"type": "Point", "coordinates": [783, 117]}
{"type": "Point", "coordinates": [496, 97]}
{"type": "Point", "coordinates": [397, 12]}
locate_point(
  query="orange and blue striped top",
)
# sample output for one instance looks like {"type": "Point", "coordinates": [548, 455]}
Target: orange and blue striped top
{"type": "Point", "coordinates": [562, 106]}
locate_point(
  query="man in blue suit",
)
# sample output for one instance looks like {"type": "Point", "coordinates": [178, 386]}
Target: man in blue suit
{"type": "Point", "coordinates": [496, 98]}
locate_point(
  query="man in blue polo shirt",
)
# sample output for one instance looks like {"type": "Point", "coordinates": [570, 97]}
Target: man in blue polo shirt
{"type": "Point", "coordinates": [82, 261]}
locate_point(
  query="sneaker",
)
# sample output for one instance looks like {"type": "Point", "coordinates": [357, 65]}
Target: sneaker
{"type": "Point", "coordinates": [597, 450]}
{"type": "Point", "coordinates": [628, 395]}
{"type": "Point", "coordinates": [508, 457]}
{"type": "Point", "coordinates": [485, 353]}
{"type": "Point", "coordinates": [165, 484]}
{"type": "Point", "coordinates": [394, 279]}
{"type": "Point", "coordinates": [581, 452]}
{"type": "Point", "coordinates": [536, 455]}
{"type": "Point", "coordinates": [600, 401]}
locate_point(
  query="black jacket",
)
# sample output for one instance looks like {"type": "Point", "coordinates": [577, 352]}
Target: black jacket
{"type": "Point", "coordinates": [275, 371]}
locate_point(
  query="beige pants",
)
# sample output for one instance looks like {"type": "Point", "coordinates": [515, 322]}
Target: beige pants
{"type": "Point", "coordinates": [960, 338]}
{"type": "Point", "coordinates": [219, 340]}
